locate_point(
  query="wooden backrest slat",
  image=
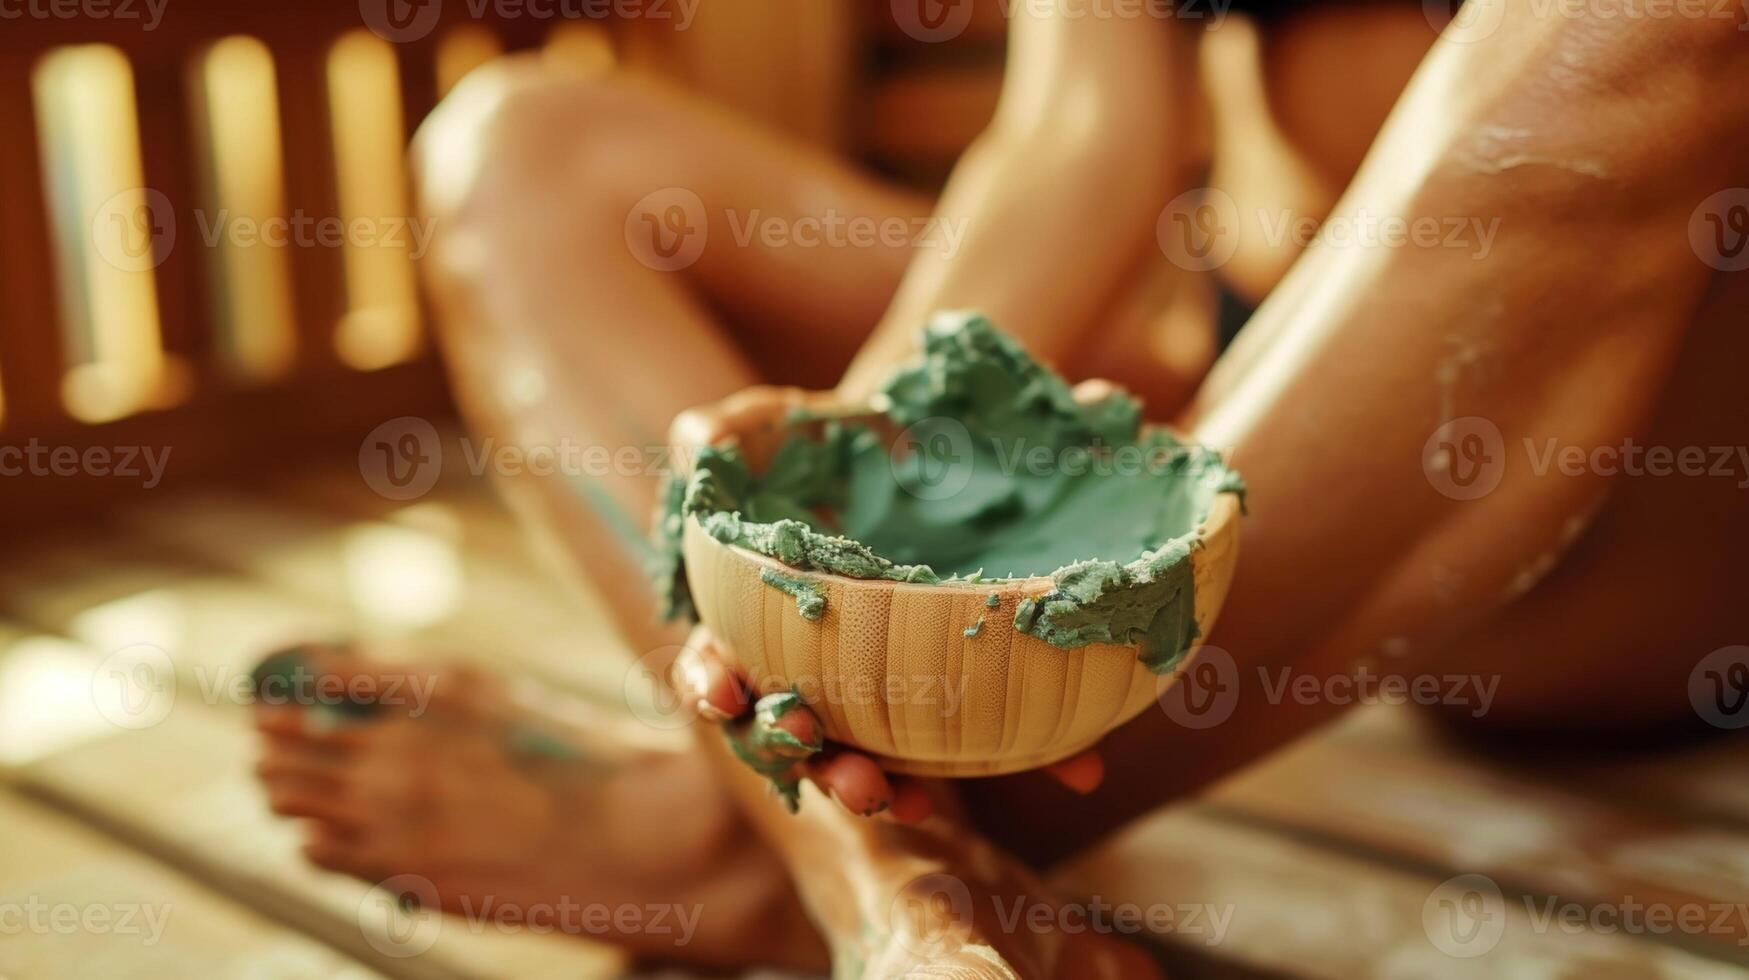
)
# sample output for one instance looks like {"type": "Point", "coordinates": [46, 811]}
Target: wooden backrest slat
{"type": "Point", "coordinates": [317, 273]}
{"type": "Point", "coordinates": [31, 352]}
{"type": "Point", "coordinates": [185, 309]}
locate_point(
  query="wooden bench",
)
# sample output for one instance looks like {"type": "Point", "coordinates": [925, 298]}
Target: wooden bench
{"type": "Point", "coordinates": [1345, 856]}
{"type": "Point", "coordinates": [1329, 860]}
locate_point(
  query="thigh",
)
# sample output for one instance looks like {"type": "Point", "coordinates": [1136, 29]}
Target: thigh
{"type": "Point", "coordinates": [1616, 636]}
{"type": "Point", "coordinates": [795, 251]}
{"type": "Point", "coordinates": [671, 231]}
{"type": "Point", "coordinates": [566, 327]}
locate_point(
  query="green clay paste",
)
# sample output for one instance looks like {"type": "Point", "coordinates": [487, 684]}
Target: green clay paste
{"type": "Point", "coordinates": [771, 751]}
{"type": "Point", "coordinates": [809, 601]}
{"type": "Point", "coordinates": [997, 472]}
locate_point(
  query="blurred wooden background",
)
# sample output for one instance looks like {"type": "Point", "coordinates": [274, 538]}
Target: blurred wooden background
{"type": "Point", "coordinates": [124, 321]}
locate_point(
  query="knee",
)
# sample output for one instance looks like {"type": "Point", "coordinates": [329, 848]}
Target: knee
{"type": "Point", "coordinates": [518, 125]}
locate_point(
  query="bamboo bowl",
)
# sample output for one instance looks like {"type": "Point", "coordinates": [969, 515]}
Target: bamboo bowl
{"type": "Point", "coordinates": [890, 671]}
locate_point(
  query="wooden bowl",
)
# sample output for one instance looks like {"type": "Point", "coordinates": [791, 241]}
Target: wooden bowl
{"type": "Point", "coordinates": [890, 670]}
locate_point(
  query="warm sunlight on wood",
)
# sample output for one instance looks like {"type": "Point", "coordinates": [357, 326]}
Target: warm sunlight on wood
{"type": "Point", "coordinates": [110, 231]}
{"type": "Point", "coordinates": [381, 324]}
{"type": "Point", "coordinates": [237, 119]}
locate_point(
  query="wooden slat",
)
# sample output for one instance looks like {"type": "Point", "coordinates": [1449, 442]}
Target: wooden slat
{"type": "Point", "coordinates": [473, 603]}
{"type": "Point", "coordinates": [205, 814]}
{"type": "Point", "coordinates": [1308, 912]}
{"type": "Point", "coordinates": [167, 142]}
{"type": "Point", "coordinates": [154, 920]}
{"type": "Point", "coordinates": [317, 273]}
{"type": "Point", "coordinates": [260, 428]}
{"type": "Point", "coordinates": [31, 359]}
{"type": "Point", "coordinates": [1696, 780]}
{"type": "Point", "coordinates": [1432, 807]}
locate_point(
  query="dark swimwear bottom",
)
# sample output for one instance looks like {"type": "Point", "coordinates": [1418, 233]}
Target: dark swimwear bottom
{"type": "Point", "coordinates": [1231, 312]}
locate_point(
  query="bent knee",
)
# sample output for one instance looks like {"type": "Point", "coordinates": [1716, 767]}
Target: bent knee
{"type": "Point", "coordinates": [521, 125]}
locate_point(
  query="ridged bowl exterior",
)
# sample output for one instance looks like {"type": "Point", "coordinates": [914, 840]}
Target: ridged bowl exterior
{"type": "Point", "coordinates": [889, 669]}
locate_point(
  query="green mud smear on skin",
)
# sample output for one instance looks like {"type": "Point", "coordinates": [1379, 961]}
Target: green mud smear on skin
{"type": "Point", "coordinates": [997, 473]}
{"type": "Point", "coordinates": [770, 750]}
{"type": "Point", "coordinates": [809, 602]}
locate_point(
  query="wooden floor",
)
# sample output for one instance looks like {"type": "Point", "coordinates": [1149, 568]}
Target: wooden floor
{"type": "Point", "coordinates": [1335, 859]}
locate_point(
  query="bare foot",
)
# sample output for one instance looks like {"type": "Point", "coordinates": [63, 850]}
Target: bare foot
{"type": "Point", "coordinates": [435, 772]}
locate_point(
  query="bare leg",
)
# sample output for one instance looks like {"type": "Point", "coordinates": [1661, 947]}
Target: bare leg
{"type": "Point", "coordinates": [933, 899]}
{"type": "Point", "coordinates": [558, 326]}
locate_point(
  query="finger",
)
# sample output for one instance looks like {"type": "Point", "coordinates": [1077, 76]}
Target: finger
{"type": "Point", "coordinates": [1080, 773]}
{"type": "Point", "coordinates": [708, 424]}
{"type": "Point", "coordinates": [705, 677]}
{"type": "Point", "coordinates": [854, 781]}
{"type": "Point", "coordinates": [782, 732]}
{"type": "Point", "coordinates": [1095, 390]}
